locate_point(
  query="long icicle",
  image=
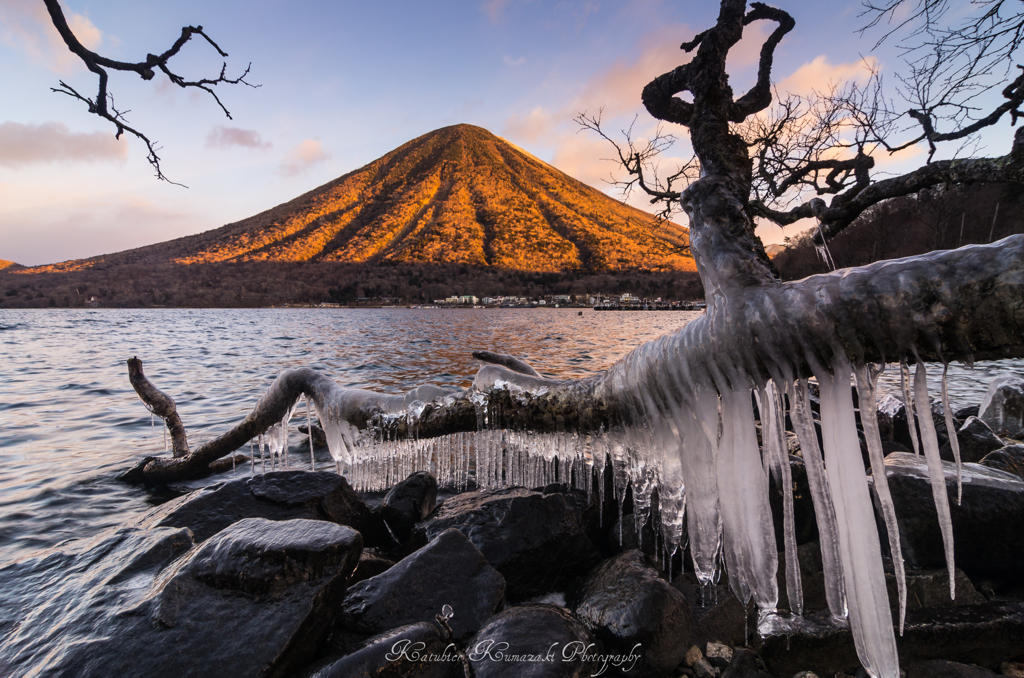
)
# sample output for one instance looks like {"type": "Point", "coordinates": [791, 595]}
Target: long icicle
{"type": "Point", "coordinates": [773, 436]}
{"type": "Point", "coordinates": [870, 619]}
{"type": "Point", "coordinates": [954, 442]}
{"type": "Point", "coordinates": [908, 404]}
{"type": "Point", "coordinates": [821, 496]}
{"type": "Point", "coordinates": [867, 378]}
{"type": "Point", "coordinates": [935, 471]}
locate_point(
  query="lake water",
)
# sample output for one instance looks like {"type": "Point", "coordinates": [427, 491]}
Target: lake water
{"type": "Point", "coordinates": [70, 421]}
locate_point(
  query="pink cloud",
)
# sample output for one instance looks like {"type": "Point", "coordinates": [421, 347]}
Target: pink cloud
{"type": "Point", "coordinates": [818, 74]}
{"type": "Point", "coordinates": [26, 25]}
{"type": "Point", "coordinates": [225, 137]}
{"type": "Point", "coordinates": [53, 142]}
{"type": "Point", "coordinates": [302, 157]}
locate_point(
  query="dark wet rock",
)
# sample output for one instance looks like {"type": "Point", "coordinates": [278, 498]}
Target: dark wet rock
{"type": "Point", "coordinates": [889, 407]}
{"type": "Point", "coordinates": [537, 541]}
{"type": "Point", "coordinates": [279, 495]}
{"type": "Point", "coordinates": [965, 412]}
{"type": "Point", "coordinates": [930, 588]}
{"type": "Point", "coordinates": [319, 437]}
{"type": "Point", "coordinates": [804, 520]}
{"type": "Point", "coordinates": [1002, 408]}
{"type": "Point", "coordinates": [447, 571]}
{"type": "Point", "coordinates": [625, 603]}
{"type": "Point", "coordinates": [938, 668]}
{"type": "Point", "coordinates": [371, 563]}
{"type": "Point", "coordinates": [745, 664]}
{"type": "Point", "coordinates": [988, 527]}
{"type": "Point", "coordinates": [1009, 459]}
{"type": "Point", "coordinates": [985, 635]}
{"type": "Point", "coordinates": [976, 440]}
{"type": "Point", "coordinates": [890, 446]}
{"type": "Point", "coordinates": [255, 599]}
{"type": "Point", "coordinates": [536, 641]}
{"type": "Point", "coordinates": [413, 651]}
{"type": "Point", "coordinates": [894, 426]}
{"type": "Point", "coordinates": [815, 642]}
{"type": "Point", "coordinates": [409, 502]}
{"type": "Point", "coordinates": [717, 613]}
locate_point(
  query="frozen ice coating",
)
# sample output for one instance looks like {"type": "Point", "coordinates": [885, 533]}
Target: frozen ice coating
{"type": "Point", "coordinates": [675, 420]}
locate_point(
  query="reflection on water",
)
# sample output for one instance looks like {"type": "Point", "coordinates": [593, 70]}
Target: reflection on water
{"type": "Point", "coordinates": [69, 420]}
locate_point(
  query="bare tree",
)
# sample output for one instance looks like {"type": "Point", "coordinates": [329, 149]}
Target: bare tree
{"type": "Point", "coordinates": [103, 103]}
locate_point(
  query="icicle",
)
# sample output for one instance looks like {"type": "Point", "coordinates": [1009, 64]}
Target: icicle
{"type": "Point", "coordinates": [908, 404]}
{"type": "Point", "coordinates": [938, 478]}
{"type": "Point", "coordinates": [954, 441]}
{"type": "Point", "coordinates": [866, 380]}
{"type": "Point", "coordinates": [309, 428]}
{"type": "Point", "coordinates": [252, 459]}
{"type": "Point", "coordinates": [697, 451]}
{"type": "Point", "coordinates": [870, 619]}
{"type": "Point", "coordinates": [821, 497]}
{"type": "Point", "coordinates": [773, 437]}
{"type": "Point", "coordinates": [165, 439]}
{"type": "Point", "coordinates": [263, 458]}
{"type": "Point", "coordinates": [750, 553]}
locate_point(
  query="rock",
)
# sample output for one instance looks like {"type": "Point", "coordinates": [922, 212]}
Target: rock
{"type": "Point", "coordinates": [255, 599]}
{"type": "Point", "coordinates": [988, 527]}
{"type": "Point", "coordinates": [521, 533]}
{"type": "Point", "coordinates": [889, 407]}
{"type": "Point", "coordinates": [718, 655]}
{"type": "Point", "coordinates": [1002, 408]}
{"type": "Point", "coordinates": [814, 642]}
{"type": "Point", "coordinates": [717, 613]}
{"type": "Point", "coordinates": [692, 656]}
{"type": "Point", "coordinates": [626, 604]}
{"type": "Point", "coordinates": [371, 563]}
{"type": "Point", "coordinates": [702, 669]}
{"type": "Point", "coordinates": [965, 412]}
{"type": "Point", "coordinates": [414, 651]}
{"type": "Point", "coordinates": [279, 495]}
{"type": "Point", "coordinates": [976, 440]}
{"type": "Point", "coordinates": [447, 571]}
{"type": "Point", "coordinates": [812, 579]}
{"type": "Point", "coordinates": [1012, 669]}
{"type": "Point", "coordinates": [538, 641]}
{"type": "Point", "coordinates": [319, 437]}
{"type": "Point", "coordinates": [409, 502]}
{"type": "Point", "coordinates": [628, 541]}
{"type": "Point", "coordinates": [938, 668]}
{"type": "Point", "coordinates": [744, 664]}
{"type": "Point", "coordinates": [1009, 459]}
{"type": "Point", "coordinates": [930, 588]}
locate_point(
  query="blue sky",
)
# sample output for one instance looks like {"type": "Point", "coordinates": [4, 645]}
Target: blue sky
{"type": "Point", "coordinates": [342, 83]}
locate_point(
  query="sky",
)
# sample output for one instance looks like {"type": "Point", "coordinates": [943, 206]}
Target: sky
{"type": "Point", "coordinates": [341, 83]}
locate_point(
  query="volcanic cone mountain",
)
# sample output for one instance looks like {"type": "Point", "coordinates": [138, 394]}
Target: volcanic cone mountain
{"type": "Point", "coordinates": [458, 195]}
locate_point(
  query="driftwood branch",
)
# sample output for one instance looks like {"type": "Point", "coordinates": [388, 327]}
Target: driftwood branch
{"type": "Point", "coordinates": [160, 404]}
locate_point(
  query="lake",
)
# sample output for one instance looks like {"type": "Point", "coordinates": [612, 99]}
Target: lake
{"type": "Point", "coordinates": [70, 421]}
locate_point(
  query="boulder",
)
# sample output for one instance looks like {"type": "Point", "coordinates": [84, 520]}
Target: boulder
{"type": "Point", "coordinates": [988, 527]}
{"type": "Point", "coordinates": [279, 495]}
{"type": "Point", "coordinates": [930, 588]}
{"type": "Point", "coordinates": [1009, 459]}
{"type": "Point", "coordinates": [409, 502]}
{"type": "Point", "coordinates": [539, 641]}
{"type": "Point", "coordinates": [1002, 408]}
{"type": "Point", "coordinates": [744, 664]}
{"type": "Point", "coordinates": [522, 533]}
{"type": "Point", "coordinates": [976, 440]}
{"type": "Point", "coordinates": [938, 668]}
{"type": "Point", "coordinates": [447, 571]}
{"type": "Point", "coordinates": [371, 563]}
{"type": "Point", "coordinates": [255, 599]}
{"type": "Point", "coordinates": [413, 651]}
{"type": "Point", "coordinates": [626, 604]}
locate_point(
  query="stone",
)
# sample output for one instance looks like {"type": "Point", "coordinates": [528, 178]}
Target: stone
{"type": "Point", "coordinates": [744, 664]}
{"type": "Point", "coordinates": [625, 603]}
{"type": "Point", "coordinates": [1012, 669]}
{"type": "Point", "coordinates": [702, 669]}
{"type": "Point", "coordinates": [521, 533]}
{"type": "Point", "coordinates": [1002, 407]}
{"type": "Point", "coordinates": [413, 651]}
{"type": "Point", "coordinates": [1009, 459]}
{"type": "Point", "coordinates": [938, 668]}
{"type": "Point", "coordinates": [717, 613]}
{"type": "Point", "coordinates": [718, 654]}
{"type": "Point", "coordinates": [409, 502]}
{"type": "Point", "coordinates": [447, 571]}
{"type": "Point", "coordinates": [692, 656]}
{"type": "Point", "coordinates": [816, 642]}
{"type": "Point", "coordinates": [278, 495]}
{"type": "Point", "coordinates": [988, 526]}
{"type": "Point", "coordinates": [371, 563]}
{"type": "Point", "coordinates": [964, 412]}
{"type": "Point", "coordinates": [976, 440]}
{"type": "Point", "coordinates": [540, 641]}
{"type": "Point", "coordinates": [254, 599]}
{"type": "Point", "coordinates": [930, 588]}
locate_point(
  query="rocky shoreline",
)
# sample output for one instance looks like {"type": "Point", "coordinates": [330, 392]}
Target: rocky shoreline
{"type": "Point", "coordinates": [292, 573]}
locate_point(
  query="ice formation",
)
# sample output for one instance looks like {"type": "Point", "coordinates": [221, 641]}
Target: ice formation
{"type": "Point", "coordinates": [676, 421]}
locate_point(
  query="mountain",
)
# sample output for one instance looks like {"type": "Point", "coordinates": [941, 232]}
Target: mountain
{"type": "Point", "coordinates": [9, 265]}
{"type": "Point", "coordinates": [457, 195]}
